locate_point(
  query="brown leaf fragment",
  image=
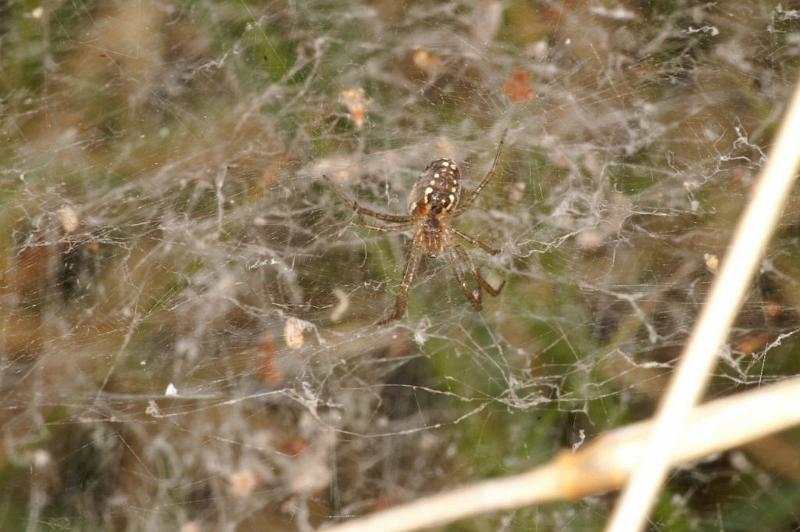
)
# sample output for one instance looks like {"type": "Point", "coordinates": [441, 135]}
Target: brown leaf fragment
{"type": "Point", "coordinates": [518, 88]}
{"type": "Point", "coordinates": [752, 343]}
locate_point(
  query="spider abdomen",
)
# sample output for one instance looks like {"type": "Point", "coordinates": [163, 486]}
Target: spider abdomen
{"type": "Point", "coordinates": [437, 190]}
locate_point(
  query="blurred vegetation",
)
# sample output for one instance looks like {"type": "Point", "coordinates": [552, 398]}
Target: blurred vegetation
{"type": "Point", "coordinates": [188, 333]}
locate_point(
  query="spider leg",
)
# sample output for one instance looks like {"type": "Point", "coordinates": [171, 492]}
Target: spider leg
{"type": "Point", "coordinates": [363, 210]}
{"type": "Point", "coordinates": [494, 292]}
{"type": "Point", "coordinates": [458, 253]}
{"type": "Point", "coordinates": [384, 228]}
{"type": "Point", "coordinates": [456, 264]}
{"type": "Point", "coordinates": [414, 253]}
{"type": "Point", "coordinates": [489, 175]}
{"type": "Point", "coordinates": [475, 242]}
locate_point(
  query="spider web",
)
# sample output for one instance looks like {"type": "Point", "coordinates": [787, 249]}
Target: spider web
{"type": "Point", "coordinates": [189, 336]}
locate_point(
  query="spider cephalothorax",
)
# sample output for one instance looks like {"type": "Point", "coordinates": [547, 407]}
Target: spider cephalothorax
{"type": "Point", "coordinates": [434, 200]}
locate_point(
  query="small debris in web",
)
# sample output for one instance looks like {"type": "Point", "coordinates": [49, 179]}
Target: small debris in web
{"type": "Point", "coordinates": [581, 438]}
{"type": "Point", "coordinates": [590, 240]}
{"type": "Point", "coordinates": [712, 262]}
{"type": "Point", "coordinates": [41, 458]}
{"type": "Point", "coordinates": [774, 309]}
{"type": "Point", "coordinates": [243, 482]}
{"type": "Point", "coordinates": [293, 332]}
{"type": "Point", "coordinates": [191, 526]}
{"type": "Point", "coordinates": [357, 104]}
{"type": "Point", "coordinates": [344, 303]}
{"type": "Point", "coordinates": [516, 192]}
{"type": "Point", "coordinates": [68, 219]}
{"type": "Point", "coordinates": [152, 409]}
{"type": "Point", "coordinates": [427, 61]}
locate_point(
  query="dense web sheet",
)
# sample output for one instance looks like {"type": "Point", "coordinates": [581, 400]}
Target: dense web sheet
{"type": "Point", "coordinates": [188, 334]}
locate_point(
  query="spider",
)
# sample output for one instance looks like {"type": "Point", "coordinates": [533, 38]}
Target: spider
{"type": "Point", "coordinates": [434, 200]}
